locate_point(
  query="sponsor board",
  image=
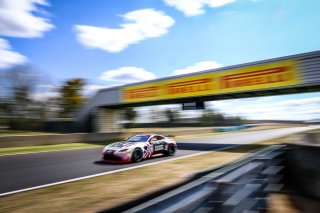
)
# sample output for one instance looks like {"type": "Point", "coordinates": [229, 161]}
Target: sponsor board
{"type": "Point", "coordinates": [174, 88]}
{"type": "Point", "coordinates": [144, 92]}
{"type": "Point", "coordinates": [269, 75]}
{"type": "Point", "coordinates": [278, 74]}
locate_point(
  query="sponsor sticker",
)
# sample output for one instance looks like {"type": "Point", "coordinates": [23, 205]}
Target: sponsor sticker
{"type": "Point", "coordinates": [158, 147]}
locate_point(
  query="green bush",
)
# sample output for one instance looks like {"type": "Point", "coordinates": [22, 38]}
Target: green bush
{"type": "Point", "coordinates": [25, 124]}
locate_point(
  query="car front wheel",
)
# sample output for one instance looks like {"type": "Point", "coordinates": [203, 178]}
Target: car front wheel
{"type": "Point", "coordinates": [137, 155]}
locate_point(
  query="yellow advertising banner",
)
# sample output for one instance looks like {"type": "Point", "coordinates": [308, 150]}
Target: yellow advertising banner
{"type": "Point", "coordinates": [202, 84]}
{"type": "Point", "coordinates": [199, 85]}
{"type": "Point", "coordinates": [270, 75]}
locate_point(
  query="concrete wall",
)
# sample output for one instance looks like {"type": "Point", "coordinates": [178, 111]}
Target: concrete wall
{"type": "Point", "coordinates": [36, 140]}
{"type": "Point", "coordinates": [108, 120]}
{"type": "Point", "coordinates": [50, 139]}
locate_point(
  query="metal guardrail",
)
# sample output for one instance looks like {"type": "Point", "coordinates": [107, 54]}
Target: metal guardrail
{"type": "Point", "coordinates": [243, 186]}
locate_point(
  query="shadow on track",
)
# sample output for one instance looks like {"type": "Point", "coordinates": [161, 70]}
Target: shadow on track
{"type": "Point", "coordinates": [200, 146]}
{"type": "Point", "coordinates": [101, 162]}
{"type": "Point", "coordinates": [212, 147]}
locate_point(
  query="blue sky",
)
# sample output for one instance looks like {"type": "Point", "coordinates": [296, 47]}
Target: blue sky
{"type": "Point", "coordinates": [117, 42]}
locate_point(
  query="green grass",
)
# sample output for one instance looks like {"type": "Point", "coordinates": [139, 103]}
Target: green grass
{"type": "Point", "coordinates": [46, 148]}
{"type": "Point", "coordinates": [5, 132]}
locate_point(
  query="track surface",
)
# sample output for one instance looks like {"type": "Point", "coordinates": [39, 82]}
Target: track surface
{"type": "Point", "coordinates": [29, 170]}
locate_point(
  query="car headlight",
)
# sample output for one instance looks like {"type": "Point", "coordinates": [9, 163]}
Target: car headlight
{"type": "Point", "coordinates": [105, 149]}
{"type": "Point", "coordinates": [123, 150]}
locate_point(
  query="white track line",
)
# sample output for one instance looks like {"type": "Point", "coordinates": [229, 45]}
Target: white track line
{"type": "Point", "coordinates": [110, 172]}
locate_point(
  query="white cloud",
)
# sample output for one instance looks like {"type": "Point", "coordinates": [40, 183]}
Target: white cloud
{"type": "Point", "coordinates": [200, 66]}
{"type": "Point", "coordinates": [17, 18]}
{"type": "Point", "coordinates": [138, 25]}
{"type": "Point", "coordinates": [8, 57]}
{"type": "Point", "coordinates": [91, 89]}
{"type": "Point", "coordinates": [195, 7]}
{"type": "Point", "coordinates": [45, 91]}
{"type": "Point", "coordinates": [94, 87]}
{"type": "Point", "coordinates": [41, 96]}
{"type": "Point", "coordinates": [47, 86]}
{"type": "Point", "coordinates": [125, 75]}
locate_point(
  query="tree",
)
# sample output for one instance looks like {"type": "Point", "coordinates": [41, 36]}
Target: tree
{"type": "Point", "coordinates": [234, 120]}
{"type": "Point", "coordinates": [17, 85]}
{"type": "Point", "coordinates": [130, 114]}
{"type": "Point", "coordinates": [209, 116]}
{"type": "Point", "coordinates": [155, 114]}
{"type": "Point", "coordinates": [171, 115]}
{"type": "Point", "coordinates": [71, 96]}
{"type": "Point", "coordinates": [19, 108]}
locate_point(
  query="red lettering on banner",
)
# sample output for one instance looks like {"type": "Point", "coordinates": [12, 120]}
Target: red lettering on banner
{"type": "Point", "coordinates": [191, 86]}
{"type": "Point", "coordinates": [145, 92]}
{"type": "Point", "coordinates": [266, 76]}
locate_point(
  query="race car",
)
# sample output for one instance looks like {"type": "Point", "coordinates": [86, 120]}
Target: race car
{"type": "Point", "coordinates": [139, 147]}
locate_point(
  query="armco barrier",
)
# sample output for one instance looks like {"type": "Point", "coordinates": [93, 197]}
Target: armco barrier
{"type": "Point", "coordinates": [239, 187]}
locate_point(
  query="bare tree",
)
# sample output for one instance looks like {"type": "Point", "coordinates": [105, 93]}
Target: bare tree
{"type": "Point", "coordinates": [16, 86]}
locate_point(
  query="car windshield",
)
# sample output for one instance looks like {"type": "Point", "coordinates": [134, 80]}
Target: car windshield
{"type": "Point", "coordinates": [139, 138]}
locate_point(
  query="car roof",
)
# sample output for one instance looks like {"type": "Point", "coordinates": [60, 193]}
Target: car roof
{"type": "Point", "coordinates": [150, 135]}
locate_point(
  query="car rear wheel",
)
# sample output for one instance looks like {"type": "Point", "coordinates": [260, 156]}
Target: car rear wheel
{"type": "Point", "coordinates": [137, 155]}
{"type": "Point", "coordinates": [171, 150]}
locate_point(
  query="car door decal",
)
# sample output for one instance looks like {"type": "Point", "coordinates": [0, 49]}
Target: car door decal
{"type": "Point", "coordinates": [149, 151]}
{"type": "Point", "coordinates": [158, 147]}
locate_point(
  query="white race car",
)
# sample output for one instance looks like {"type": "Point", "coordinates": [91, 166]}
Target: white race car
{"type": "Point", "coordinates": [139, 147]}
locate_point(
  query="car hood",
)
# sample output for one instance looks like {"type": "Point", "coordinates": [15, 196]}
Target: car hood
{"type": "Point", "coordinates": [121, 145]}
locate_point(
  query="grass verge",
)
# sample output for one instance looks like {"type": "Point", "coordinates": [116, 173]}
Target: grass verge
{"type": "Point", "coordinates": [97, 193]}
{"type": "Point", "coordinates": [46, 148]}
{"type": "Point", "coordinates": [4, 132]}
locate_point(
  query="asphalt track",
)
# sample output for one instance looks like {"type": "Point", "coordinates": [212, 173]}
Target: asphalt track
{"type": "Point", "coordinates": [30, 170]}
